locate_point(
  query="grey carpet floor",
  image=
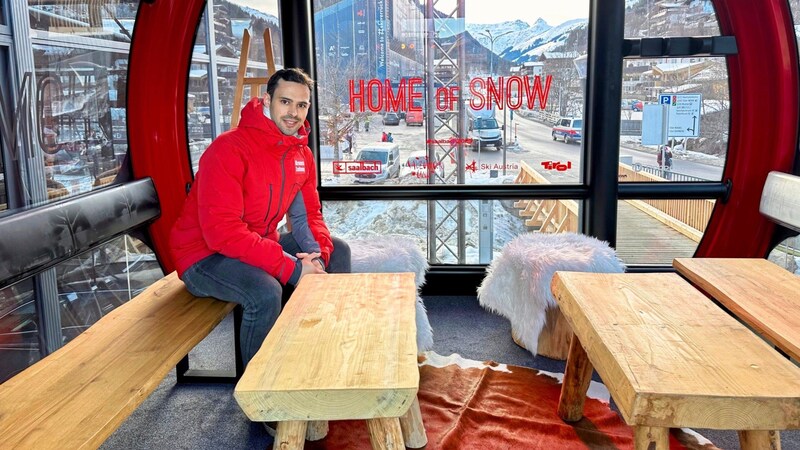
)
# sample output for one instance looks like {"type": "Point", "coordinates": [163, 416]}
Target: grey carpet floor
{"type": "Point", "coordinates": [205, 416]}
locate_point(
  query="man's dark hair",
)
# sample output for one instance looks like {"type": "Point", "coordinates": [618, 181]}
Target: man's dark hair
{"type": "Point", "coordinates": [294, 75]}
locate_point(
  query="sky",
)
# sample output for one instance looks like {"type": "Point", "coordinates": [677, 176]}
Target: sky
{"type": "Point", "coordinates": [486, 11]}
{"type": "Point", "coordinates": [496, 11]}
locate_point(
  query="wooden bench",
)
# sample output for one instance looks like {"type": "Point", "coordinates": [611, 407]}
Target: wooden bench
{"type": "Point", "coordinates": [672, 358]}
{"type": "Point", "coordinates": [344, 347]}
{"type": "Point", "coordinates": [760, 293]}
{"type": "Point", "coordinates": [80, 393]}
{"type": "Point", "coordinates": [77, 396]}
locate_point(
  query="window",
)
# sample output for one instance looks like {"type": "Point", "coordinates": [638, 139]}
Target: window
{"type": "Point", "coordinates": [482, 126]}
{"type": "Point", "coordinates": [19, 333]}
{"type": "Point", "coordinates": [231, 19]}
{"type": "Point", "coordinates": [108, 20]}
{"type": "Point", "coordinates": [80, 106]}
{"type": "Point", "coordinates": [697, 117]}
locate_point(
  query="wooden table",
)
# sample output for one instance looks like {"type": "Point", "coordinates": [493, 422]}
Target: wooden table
{"type": "Point", "coordinates": [762, 294]}
{"type": "Point", "coordinates": [344, 347]}
{"type": "Point", "coordinates": [672, 358]}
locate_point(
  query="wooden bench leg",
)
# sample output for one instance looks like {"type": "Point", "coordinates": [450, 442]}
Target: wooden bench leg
{"type": "Point", "coordinates": [577, 376]}
{"type": "Point", "coordinates": [413, 429]}
{"type": "Point", "coordinates": [385, 434]}
{"type": "Point", "coordinates": [759, 439]}
{"type": "Point", "coordinates": [645, 437]}
{"type": "Point", "coordinates": [317, 429]}
{"type": "Point", "coordinates": [291, 434]}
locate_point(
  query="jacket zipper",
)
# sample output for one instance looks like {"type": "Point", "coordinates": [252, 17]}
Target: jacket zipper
{"type": "Point", "coordinates": [269, 202]}
{"type": "Point", "coordinates": [283, 185]}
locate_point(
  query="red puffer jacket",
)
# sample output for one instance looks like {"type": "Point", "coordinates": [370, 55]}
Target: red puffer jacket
{"type": "Point", "coordinates": [247, 179]}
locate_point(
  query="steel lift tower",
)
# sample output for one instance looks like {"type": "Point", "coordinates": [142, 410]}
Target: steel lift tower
{"type": "Point", "coordinates": [445, 67]}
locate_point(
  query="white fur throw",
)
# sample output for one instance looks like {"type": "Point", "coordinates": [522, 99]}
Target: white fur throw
{"type": "Point", "coordinates": [395, 254]}
{"type": "Point", "coordinates": [517, 284]}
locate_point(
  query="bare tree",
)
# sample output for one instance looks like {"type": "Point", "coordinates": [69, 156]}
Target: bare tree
{"type": "Point", "coordinates": [336, 119]}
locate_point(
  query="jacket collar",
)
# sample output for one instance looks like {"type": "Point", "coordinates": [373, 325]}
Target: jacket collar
{"type": "Point", "coordinates": [253, 117]}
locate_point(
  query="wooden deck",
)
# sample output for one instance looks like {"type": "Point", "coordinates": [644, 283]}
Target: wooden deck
{"type": "Point", "coordinates": [641, 239]}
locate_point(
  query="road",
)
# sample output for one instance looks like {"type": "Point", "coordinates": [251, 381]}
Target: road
{"type": "Point", "coordinates": [535, 147]}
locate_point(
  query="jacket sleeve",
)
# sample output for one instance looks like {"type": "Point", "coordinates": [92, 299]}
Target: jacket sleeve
{"type": "Point", "coordinates": [221, 210]}
{"type": "Point", "coordinates": [313, 210]}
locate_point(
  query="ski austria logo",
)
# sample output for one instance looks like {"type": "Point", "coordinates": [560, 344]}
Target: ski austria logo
{"type": "Point", "coordinates": [299, 166]}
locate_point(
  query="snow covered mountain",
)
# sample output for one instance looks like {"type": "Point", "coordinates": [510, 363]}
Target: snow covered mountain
{"type": "Point", "coordinates": [520, 42]}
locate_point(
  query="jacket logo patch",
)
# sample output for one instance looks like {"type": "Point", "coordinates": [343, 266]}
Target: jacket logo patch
{"type": "Point", "coordinates": [299, 166]}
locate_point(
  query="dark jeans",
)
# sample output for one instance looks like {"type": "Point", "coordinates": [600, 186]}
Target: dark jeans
{"type": "Point", "coordinates": [259, 293]}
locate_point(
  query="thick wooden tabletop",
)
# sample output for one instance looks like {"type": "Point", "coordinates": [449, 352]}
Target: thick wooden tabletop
{"type": "Point", "coordinates": [344, 347]}
{"type": "Point", "coordinates": [761, 293]}
{"type": "Point", "coordinates": [672, 358]}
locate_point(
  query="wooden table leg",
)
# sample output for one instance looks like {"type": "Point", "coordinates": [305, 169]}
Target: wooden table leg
{"type": "Point", "coordinates": [412, 427]}
{"type": "Point", "coordinates": [643, 437]}
{"type": "Point", "coordinates": [291, 434]}
{"type": "Point", "coordinates": [759, 439]}
{"type": "Point", "coordinates": [317, 429]}
{"type": "Point", "coordinates": [577, 376]}
{"type": "Point", "coordinates": [385, 434]}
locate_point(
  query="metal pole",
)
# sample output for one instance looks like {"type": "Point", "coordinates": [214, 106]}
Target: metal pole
{"type": "Point", "coordinates": [603, 97]}
{"type": "Point", "coordinates": [505, 141]}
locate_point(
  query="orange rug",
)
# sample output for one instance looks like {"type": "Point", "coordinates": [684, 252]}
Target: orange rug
{"type": "Point", "coordinates": [472, 405]}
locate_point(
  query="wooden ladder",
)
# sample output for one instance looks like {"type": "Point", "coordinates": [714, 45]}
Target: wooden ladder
{"type": "Point", "coordinates": [255, 83]}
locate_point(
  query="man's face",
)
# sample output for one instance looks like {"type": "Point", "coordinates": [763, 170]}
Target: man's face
{"type": "Point", "coordinates": [288, 106]}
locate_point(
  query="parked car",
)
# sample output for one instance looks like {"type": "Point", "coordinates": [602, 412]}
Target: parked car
{"type": "Point", "coordinates": [632, 104]}
{"type": "Point", "coordinates": [414, 118]}
{"type": "Point", "coordinates": [391, 118]}
{"type": "Point", "coordinates": [388, 154]}
{"type": "Point", "coordinates": [568, 129]}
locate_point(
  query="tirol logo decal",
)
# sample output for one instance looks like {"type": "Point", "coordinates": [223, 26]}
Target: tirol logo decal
{"type": "Point", "coordinates": [557, 165]}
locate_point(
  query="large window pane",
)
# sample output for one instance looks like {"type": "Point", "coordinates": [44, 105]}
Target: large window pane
{"type": "Point", "coordinates": [19, 333]}
{"type": "Point", "coordinates": [489, 224]}
{"type": "Point", "coordinates": [198, 108]}
{"type": "Point", "coordinates": [110, 19]}
{"type": "Point", "coordinates": [94, 284]}
{"type": "Point", "coordinates": [89, 287]}
{"type": "Point", "coordinates": [520, 89]}
{"type": "Point", "coordinates": [694, 151]}
{"type": "Point", "coordinates": [81, 116]}
{"type": "Point", "coordinates": [656, 231]}
{"type": "Point", "coordinates": [231, 18]}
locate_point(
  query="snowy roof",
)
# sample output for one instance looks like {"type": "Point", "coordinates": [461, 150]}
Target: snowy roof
{"type": "Point", "coordinates": [676, 67]}
{"type": "Point", "coordinates": [561, 55]}
{"type": "Point", "coordinates": [198, 73]}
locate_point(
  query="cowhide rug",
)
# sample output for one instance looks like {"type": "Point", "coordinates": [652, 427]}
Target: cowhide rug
{"type": "Point", "coordinates": [486, 405]}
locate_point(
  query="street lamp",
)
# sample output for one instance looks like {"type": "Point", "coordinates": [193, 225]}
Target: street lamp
{"type": "Point", "coordinates": [488, 34]}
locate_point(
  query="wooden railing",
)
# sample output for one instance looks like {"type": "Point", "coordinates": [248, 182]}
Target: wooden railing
{"type": "Point", "coordinates": [546, 216]}
{"type": "Point", "coordinates": [687, 216]}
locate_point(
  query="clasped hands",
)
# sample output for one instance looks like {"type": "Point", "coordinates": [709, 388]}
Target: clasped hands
{"type": "Point", "coordinates": [308, 264]}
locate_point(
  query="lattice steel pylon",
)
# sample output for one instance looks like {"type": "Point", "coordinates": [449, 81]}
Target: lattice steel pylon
{"type": "Point", "coordinates": [445, 66]}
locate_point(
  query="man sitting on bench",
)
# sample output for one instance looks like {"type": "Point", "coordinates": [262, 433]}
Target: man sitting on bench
{"type": "Point", "coordinates": [225, 243]}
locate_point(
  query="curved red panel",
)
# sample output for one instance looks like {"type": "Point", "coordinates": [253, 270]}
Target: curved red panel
{"type": "Point", "coordinates": [764, 118]}
{"type": "Point", "coordinates": [160, 54]}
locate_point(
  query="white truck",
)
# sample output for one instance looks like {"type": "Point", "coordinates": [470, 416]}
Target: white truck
{"type": "Point", "coordinates": [484, 129]}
